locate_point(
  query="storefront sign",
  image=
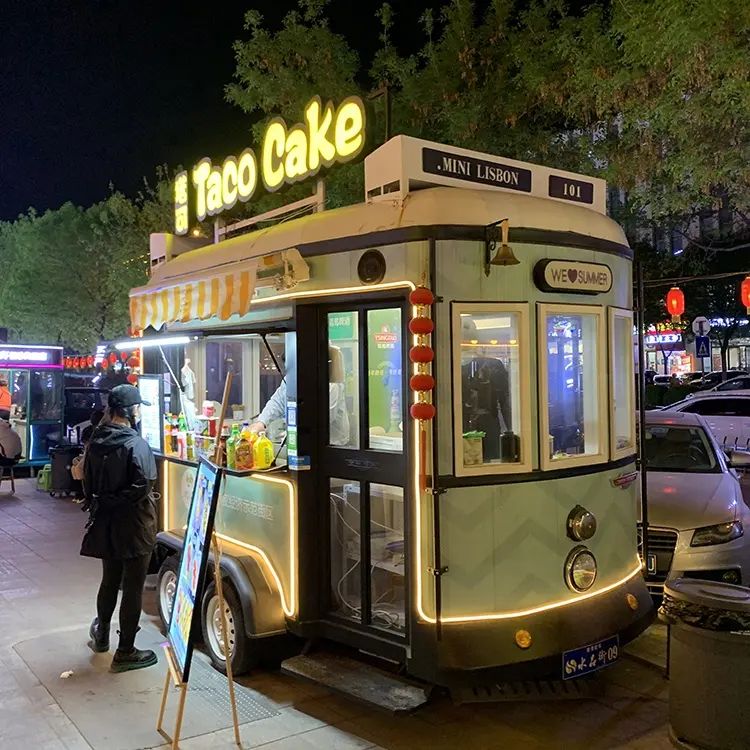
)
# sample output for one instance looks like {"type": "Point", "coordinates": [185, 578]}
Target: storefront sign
{"type": "Point", "coordinates": [471, 169]}
{"type": "Point", "coordinates": [572, 277]}
{"type": "Point", "coordinates": [288, 155]}
{"type": "Point", "coordinates": [193, 565]}
{"type": "Point", "coordinates": [31, 357]}
{"type": "Point", "coordinates": [663, 337]}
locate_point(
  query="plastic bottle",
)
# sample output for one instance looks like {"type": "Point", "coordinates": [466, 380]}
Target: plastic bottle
{"type": "Point", "coordinates": [190, 445]}
{"type": "Point", "coordinates": [243, 450]}
{"type": "Point", "coordinates": [167, 434]}
{"type": "Point", "coordinates": [174, 441]}
{"type": "Point", "coordinates": [263, 452]}
{"type": "Point", "coordinates": [223, 439]}
{"type": "Point", "coordinates": [232, 447]}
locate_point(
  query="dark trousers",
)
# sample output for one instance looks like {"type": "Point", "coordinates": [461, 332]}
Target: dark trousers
{"type": "Point", "coordinates": [131, 573]}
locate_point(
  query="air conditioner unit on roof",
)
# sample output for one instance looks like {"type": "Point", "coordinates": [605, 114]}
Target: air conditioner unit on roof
{"type": "Point", "coordinates": [405, 164]}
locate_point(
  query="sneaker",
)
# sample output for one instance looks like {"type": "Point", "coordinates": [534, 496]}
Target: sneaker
{"type": "Point", "coordinates": [126, 661]}
{"type": "Point", "coordinates": [99, 642]}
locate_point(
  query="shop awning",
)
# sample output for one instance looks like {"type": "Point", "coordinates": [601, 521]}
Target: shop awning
{"type": "Point", "coordinates": [220, 295]}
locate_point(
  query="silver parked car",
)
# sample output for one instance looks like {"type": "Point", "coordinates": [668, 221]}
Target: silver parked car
{"type": "Point", "coordinates": [697, 516]}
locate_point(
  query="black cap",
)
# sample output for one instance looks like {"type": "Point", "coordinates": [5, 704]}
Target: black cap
{"type": "Point", "coordinates": [122, 396]}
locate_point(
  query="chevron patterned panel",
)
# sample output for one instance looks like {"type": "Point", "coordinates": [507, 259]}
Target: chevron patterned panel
{"type": "Point", "coordinates": [506, 545]}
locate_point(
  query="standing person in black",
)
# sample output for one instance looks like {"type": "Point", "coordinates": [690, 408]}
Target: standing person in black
{"type": "Point", "coordinates": [119, 475]}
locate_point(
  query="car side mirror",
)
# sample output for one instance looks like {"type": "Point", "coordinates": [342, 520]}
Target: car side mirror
{"type": "Point", "coordinates": [739, 459]}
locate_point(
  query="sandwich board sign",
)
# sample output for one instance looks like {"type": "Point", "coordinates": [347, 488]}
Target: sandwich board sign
{"type": "Point", "coordinates": [193, 565]}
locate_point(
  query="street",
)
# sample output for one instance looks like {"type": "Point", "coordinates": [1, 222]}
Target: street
{"type": "Point", "coordinates": [47, 596]}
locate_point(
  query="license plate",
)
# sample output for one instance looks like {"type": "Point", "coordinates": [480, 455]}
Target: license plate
{"type": "Point", "coordinates": [587, 659]}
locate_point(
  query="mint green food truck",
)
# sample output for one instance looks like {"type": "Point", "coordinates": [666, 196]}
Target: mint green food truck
{"type": "Point", "coordinates": [492, 542]}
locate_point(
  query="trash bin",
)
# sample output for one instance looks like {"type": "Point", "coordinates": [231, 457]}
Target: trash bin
{"type": "Point", "coordinates": [709, 663]}
{"type": "Point", "coordinates": [61, 460]}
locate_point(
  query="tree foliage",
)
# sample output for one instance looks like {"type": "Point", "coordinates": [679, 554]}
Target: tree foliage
{"type": "Point", "coordinates": [67, 272]}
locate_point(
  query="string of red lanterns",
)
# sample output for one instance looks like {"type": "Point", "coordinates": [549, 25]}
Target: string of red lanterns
{"type": "Point", "coordinates": [676, 300]}
{"type": "Point", "coordinates": [422, 382]}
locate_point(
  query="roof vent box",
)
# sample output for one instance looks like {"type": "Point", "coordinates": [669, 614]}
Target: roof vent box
{"type": "Point", "coordinates": [405, 164]}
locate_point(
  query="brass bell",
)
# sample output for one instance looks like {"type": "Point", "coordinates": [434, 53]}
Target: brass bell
{"type": "Point", "coordinates": [504, 256]}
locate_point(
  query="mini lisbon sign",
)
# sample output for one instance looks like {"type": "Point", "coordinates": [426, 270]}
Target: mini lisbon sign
{"type": "Point", "coordinates": [572, 277]}
{"type": "Point", "coordinates": [327, 136]}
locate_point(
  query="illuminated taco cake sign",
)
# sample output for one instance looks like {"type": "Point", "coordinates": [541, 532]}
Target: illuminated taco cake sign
{"type": "Point", "coordinates": [327, 136]}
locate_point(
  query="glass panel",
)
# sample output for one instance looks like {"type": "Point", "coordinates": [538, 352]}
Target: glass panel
{"type": "Point", "coordinates": [346, 588]}
{"type": "Point", "coordinates": [387, 557]}
{"type": "Point", "coordinates": [490, 388]}
{"type": "Point", "coordinates": [572, 384]}
{"type": "Point", "coordinates": [385, 380]}
{"type": "Point", "coordinates": [343, 379]}
{"type": "Point", "coordinates": [18, 390]}
{"type": "Point", "coordinates": [622, 382]}
{"type": "Point", "coordinates": [43, 438]}
{"type": "Point", "coordinates": [45, 389]}
{"type": "Point", "coordinates": [223, 357]}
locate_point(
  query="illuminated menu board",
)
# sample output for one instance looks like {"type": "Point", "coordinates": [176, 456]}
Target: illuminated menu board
{"type": "Point", "coordinates": [193, 565]}
{"type": "Point", "coordinates": [152, 429]}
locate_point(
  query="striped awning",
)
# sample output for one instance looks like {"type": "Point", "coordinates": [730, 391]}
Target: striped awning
{"type": "Point", "coordinates": [221, 295]}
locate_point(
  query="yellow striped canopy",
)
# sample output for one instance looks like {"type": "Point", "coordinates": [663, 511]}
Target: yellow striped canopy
{"type": "Point", "coordinates": [221, 295]}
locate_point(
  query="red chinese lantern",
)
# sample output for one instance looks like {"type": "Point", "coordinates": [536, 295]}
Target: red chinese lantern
{"type": "Point", "coordinates": [134, 362]}
{"type": "Point", "coordinates": [112, 358]}
{"type": "Point", "coordinates": [422, 411]}
{"type": "Point", "coordinates": [421, 354]}
{"type": "Point", "coordinates": [745, 293]}
{"type": "Point", "coordinates": [105, 364]}
{"type": "Point", "coordinates": [90, 360]}
{"type": "Point", "coordinates": [675, 303]}
{"type": "Point", "coordinates": [422, 382]}
{"type": "Point", "coordinates": [123, 356]}
{"type": "Point", "coordinates": [421, 326]}
{"type": "Point", "coordinates": [76, 362]}
{"type": "Point", "coordinates": [132, 379]}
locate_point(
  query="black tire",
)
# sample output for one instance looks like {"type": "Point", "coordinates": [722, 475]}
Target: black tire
{"type": "Point", "coordinates": [166, 585]}
{"type": "Point", "coordinates": [244, 651]}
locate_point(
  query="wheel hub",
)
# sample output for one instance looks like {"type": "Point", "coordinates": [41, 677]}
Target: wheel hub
{"type": "Point", "coordinates": [216, 629]}
{"type": "Point", "coordinates": [168, 589]}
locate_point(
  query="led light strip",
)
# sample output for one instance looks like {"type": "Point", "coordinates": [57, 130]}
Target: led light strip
{"type": "Point", "coordinates": [290, 606]}
{"type": "Point", "coordinates": [489, 616]}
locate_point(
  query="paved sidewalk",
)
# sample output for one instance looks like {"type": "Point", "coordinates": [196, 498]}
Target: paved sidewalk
{"type": "Point", "coordinates": [46, 587]}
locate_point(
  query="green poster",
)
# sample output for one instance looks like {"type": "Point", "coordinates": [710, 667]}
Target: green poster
{"type": "Point", "coordinates": [384, 369]}
{"type": "Point", "coordinates": [341, 326]}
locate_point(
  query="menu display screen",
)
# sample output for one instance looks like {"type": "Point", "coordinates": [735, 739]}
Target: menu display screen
{"type": "Point", "coordinates": [152, 429]}
{"type": "Point", "coordinates": [193, 564]}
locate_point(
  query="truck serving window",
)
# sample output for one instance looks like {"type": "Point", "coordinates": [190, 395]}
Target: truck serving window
{"type": "Point", "coordinates": [621, 383]}
{"type": "Point", "coordinates": [572, 386]}
{"type": "Point", "coordinates": [491, 375]}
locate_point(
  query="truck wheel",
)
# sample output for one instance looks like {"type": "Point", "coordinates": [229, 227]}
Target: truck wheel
{"type": "Point", "coordinates": [166, 588]}
{"type": "Point", "coordinates": [242, 650]}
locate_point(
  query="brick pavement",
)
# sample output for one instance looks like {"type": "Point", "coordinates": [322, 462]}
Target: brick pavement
{"type": "Point", "coordinates": [45, 586]}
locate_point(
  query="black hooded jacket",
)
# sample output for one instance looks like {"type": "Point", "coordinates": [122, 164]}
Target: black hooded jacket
{"type": "Point", "coordinates": [119, 474]}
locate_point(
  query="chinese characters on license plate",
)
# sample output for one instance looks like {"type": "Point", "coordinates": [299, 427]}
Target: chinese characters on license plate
{"type": "Point", "coordinates": [589, 659]}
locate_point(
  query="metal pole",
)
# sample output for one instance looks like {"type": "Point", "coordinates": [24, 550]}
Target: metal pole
{"type": "Point", "coordinates": [387, 112]}
{"type": "Point", "coordinates": [640, 319]}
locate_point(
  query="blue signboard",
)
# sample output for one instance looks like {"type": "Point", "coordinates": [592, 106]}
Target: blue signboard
{"type": "Point", "coordinates": [702, 346]}
{"type": "Point", "coordinates": [587, 659]}
{"type": "Point", "coordinates": [193, 564]}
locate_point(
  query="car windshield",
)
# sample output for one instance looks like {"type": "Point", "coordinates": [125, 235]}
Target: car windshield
{"type": "Point", "coordinates": [680, 449]}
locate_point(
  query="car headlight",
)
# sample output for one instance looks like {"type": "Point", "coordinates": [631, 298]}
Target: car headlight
{"type": "Point", "coordinates": [580, 569]}
{"type": "Point", "coordinates": [719, 534]}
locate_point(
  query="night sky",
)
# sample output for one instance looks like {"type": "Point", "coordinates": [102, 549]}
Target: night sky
{"type": "Point", "coordinates": [98, 91]}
